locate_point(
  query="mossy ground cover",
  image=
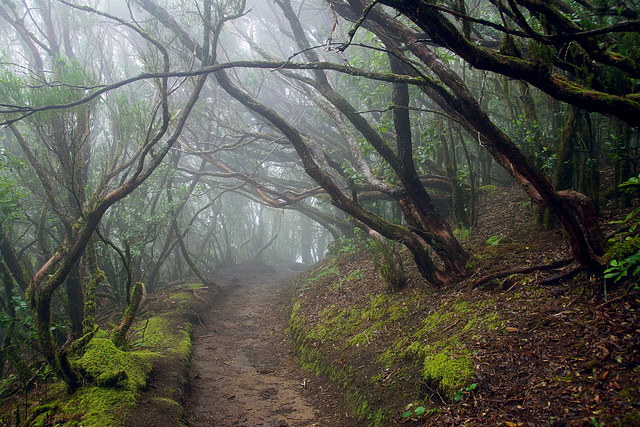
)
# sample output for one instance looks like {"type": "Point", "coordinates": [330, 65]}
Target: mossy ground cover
{"type": "Point", "coordinates": [510, 351]}
{"type": "Point", "coordinates": [384, 348]}
{"type": "Point", "coordinates": [115, 380]}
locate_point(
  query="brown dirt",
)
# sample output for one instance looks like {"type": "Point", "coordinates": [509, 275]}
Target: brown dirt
{"type": "Point", "coordinates": [243, 371]}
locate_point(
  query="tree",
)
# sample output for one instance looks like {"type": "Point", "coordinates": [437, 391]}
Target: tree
{"type": "Point", "coordinates": [82, 204]}
{"type": "Point", "coordinates": [453, 94]}
{"type": "Point", "coordinates": [590, 63]}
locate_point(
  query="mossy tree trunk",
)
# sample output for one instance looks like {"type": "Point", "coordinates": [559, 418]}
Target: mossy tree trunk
{"type": "Point", "coordinates": [119, 334]}
{"type": "Point", "coordinates": [589, 182]}
{"type": "Point", "coordinates": [75, 299]}
{"type": "Point", "coordinates": [565, 172]}
{"type": "Point", "coordinates": [96, 279]}
{"type": "Point", "coordinates": [454, 94]}
{"type": "Point", "coordinates": [458, 204]}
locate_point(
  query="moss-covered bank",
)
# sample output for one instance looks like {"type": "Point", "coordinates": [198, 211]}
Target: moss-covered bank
{"type": "Point", "coordinates": [116, 390]}
{"type": "Point", "coordinates": [385, 350]}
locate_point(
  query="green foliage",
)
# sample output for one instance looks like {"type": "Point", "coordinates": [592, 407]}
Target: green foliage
{"type": "Point", "coordinates": [344, 246]}
{"type": "Point", "coordinates": [624, 251]}
{"type": "Point", "coordinates": [494, 240]}
{"type": "Point", "coordinates": [355, 275]}
{"type": "Point", "coordinates": [73, 78]}
{"type": "Point", "coordinates": [460, 393]}
{"type": "Point", "coordinates": [22, 319]}
{"type": "Point", "coordinates": [11, 191]}
{"type": "Point", "coordinates": [631, 186]}
{"type": "Point", "coordinates": [325, 272]}
{"type": "Point", "coordinates": [419, 412]}
{"type": "Point", "coordinates": [629, 267]}
{"type": "Point", "coordinates": [462, 233]}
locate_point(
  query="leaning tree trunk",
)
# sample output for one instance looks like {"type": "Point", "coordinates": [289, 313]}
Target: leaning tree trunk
{"type": "Point", "coordinates": [406, 235]}
{"type": "Point", "coordinates": [425, 221]}
{"type": "Point", "coordinates": [457, 96]}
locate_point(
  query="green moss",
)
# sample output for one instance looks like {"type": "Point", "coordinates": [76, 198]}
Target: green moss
{"type": "Point", "coordinates": [169, 337]}
{"type": "Point", "coordinates": [104, 363]}
{"type": "Point", "coordinates": [439, 345]}
{"type": "Point", "coordinates": [434, 350]}
{"type": "Point", "coordinates": [99, 406]}
{"type": "Point", "coordinates": [40, 413]}
{"type": "Point", "coordinates": [168, 403]}
{"type": "Point", "coordinates": [619, 250]}
{"type": "Point", "coordinates": [488, 188]}
{"type": "Point", "coordinates": [450, 370]}
{"type": "Point", "coordinates": [115, 378]}
{"type": "Point", "coordinates": [183, 299]}
{"type": "Point", "coordinates": [325, 272]}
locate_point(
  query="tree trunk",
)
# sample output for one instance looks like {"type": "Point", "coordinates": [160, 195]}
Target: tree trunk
{"type": "Point", "coordinates": [75, 300]}
{"type": "Point", "coordinates": [501, 148]}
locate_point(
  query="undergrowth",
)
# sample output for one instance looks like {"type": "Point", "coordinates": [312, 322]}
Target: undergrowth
{"type": "Point", "coordinates": [113, 379]}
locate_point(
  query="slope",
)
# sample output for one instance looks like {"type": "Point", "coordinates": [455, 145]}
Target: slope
{"type": "Point", "coordinates": [512, 351]}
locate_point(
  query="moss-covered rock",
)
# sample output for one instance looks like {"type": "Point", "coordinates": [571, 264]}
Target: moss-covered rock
{"type": "Point", "coordinates": [450, 372]}
{"type": "Point", "coordinates": [100, 406]}
{"type": "Point", "coordinates": [115, 380]}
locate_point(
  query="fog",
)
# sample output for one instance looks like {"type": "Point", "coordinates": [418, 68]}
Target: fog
{"type": "Point", "coordinates": [141, 115]}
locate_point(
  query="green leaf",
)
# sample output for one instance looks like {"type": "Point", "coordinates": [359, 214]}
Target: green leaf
{"type": "Point", "coordinates": [419, 410]}
{"type": "Point", "coordinates": [407, 414]}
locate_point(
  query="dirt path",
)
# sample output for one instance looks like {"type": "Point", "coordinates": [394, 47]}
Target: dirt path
{"type": "Point", "coordinates": [244, 372]}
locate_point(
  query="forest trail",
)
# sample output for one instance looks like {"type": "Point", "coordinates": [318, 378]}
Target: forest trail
{"type": "Point", "coordinates": [243, 370]}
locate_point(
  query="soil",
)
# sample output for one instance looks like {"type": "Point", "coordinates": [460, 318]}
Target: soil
{"type": "Point", "coordinates": [243, 371]}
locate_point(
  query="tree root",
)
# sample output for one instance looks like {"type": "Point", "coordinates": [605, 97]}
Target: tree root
{"type": "Point", "coordinates": [523, 270]}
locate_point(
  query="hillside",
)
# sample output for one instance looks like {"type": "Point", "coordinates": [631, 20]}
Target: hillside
{"type": "Point", "coordinates": [512, 351]}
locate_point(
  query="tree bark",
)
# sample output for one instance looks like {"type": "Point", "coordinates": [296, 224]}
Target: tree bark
{"type": "Point", "coordinates": [625, 107]}
{"type": "Point", "coordinates": [458, 97]}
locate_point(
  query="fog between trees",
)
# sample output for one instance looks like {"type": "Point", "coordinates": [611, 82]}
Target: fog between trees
{"type": "Point", "coordinates": [154, 141]}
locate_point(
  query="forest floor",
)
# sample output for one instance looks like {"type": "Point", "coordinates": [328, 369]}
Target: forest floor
{"type": "Point", "coordinates": [515, 351]}
{"type": "Point", "coordinates": [557, 354]}
{"type": "Point", "coordinates": [332, 346]}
